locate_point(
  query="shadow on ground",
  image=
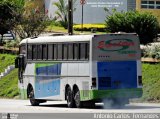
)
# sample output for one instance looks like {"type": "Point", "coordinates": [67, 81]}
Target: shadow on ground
{"type": "Point", "coordinates": [101, 106]}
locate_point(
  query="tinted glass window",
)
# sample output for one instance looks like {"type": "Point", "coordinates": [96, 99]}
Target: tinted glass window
{"type": "Point", "coordinates": [151, 2]}
{"type": "Point", "coordinates": [151, 6]}
{"type": "Point", "coordinates": [87, 50]}
{"type": "Point", "coordinates": [34, 51]}
{"type": "Point", "coordinates": [50, 51]}
{"type": "Point", "coordinates": [55, 51]}
{"type": "Point", "coordinates": [44, 50]}
{"type": "Point", "coordinates": [143, 2]}
{"type": "Point", "coordinates": [143, 6]}
{"type": "Point", "coordinates": [158, 7]}
{"type": "Point", "coordinates": [82, 51]}
{"type": "Point", "coordinates": [59, 51]}
{"type": "Point", "coordinates": [157, 2]}
{"type": "Point", "coordinates": [70, 51]}
{"type": "Point", "coordinates": [75, 51]}
{"type": "Point", "coordinates": [39, 49]}
{"type": "Point", "coordinates": [65, 51]}
{"type": "Point", "coordinates": [29, 52]}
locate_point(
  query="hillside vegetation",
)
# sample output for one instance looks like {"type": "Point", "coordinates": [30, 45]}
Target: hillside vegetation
{"type": "Point", "coordinates": [151, 82]}
{"type": "Point", "coordinates": [9, 83]}
{"type": "Point", "coordinates": [6, 60]}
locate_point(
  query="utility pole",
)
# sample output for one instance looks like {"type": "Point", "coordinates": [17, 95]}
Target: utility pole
{"type": "Point", "coordinates": [70, 17]}
{"type": "Point", "coordinates": [82, 4]}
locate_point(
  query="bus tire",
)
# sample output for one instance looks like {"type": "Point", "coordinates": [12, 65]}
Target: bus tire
{"type": "Point", "coordinates": [32, 99]}
{"type": "Point", "coordinates": [89, 104]}
{"type": "Point", "coordinates": [69, 96]}
{"type": "Point", "coordinates": [78, 102]}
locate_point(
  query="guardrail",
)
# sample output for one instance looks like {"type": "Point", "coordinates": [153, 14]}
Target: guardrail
{"type": "Point", "coordinates": [7, 71]}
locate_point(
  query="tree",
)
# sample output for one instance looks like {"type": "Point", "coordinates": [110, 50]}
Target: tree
{"type": "Point", "coordinates": [144, 24]}
{"type": "Point", "coordinates": [32, 22]}
{"type": "Point", "coordinates": [62, 12]}
{"type": "Point", "coordinates": [8, 16]}
{"type": "Point", "coordinates": [32, 25]}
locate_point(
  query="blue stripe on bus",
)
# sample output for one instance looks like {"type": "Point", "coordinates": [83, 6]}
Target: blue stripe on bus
{"type": "Point", "coordinates": [117, 75]}
{"type": "Point", "coordinates": [49, 70]}
{"type": "Point", "coordinates": [46, 86]}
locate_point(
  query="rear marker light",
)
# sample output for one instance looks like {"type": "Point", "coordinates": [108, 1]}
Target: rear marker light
{"type": "Point", "coordinates": [93, 82]}
{"type": "Point", "coordinates": [140, 81]}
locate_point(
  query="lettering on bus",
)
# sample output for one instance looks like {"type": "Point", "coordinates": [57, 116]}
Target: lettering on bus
{"type": "Point", "coordinates": [118, 45]}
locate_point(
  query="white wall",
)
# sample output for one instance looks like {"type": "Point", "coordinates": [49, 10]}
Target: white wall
{"type": "Point", "coordinates": [93, 9]}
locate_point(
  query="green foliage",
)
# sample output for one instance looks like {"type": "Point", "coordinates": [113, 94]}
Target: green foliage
{"type": "Point", "coordinates": [9, 85]}
{"type": "Point", "coordinates": [89, 27]}
{"type": "Point", "coordinates": [144, 24]}
{"type": "Point", "coordinates": [11, 43]}
{"type": "Point", "coordinates": [6, 60]}
{"type": "Point", "coordinates": [9, 14]}
{"type": "Point", "coordinates": [32, 21]}
{"type": "Point", "coordinates": [62, 12]}
{"type": "Point", "coordinates": [151, 82]}
{"type": "Point", "coordinates": [32, 25]}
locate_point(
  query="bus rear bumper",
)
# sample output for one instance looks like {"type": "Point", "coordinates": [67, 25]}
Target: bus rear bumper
{"type": "Point", "coordinates": [114, 93]}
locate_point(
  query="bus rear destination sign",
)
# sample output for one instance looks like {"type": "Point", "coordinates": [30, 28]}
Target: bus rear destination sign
{"type": "Point", "coordinates": [115, 44]}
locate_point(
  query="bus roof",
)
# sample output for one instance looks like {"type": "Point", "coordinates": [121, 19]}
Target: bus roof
{"type": "Point", "coordinates": [52, 39]}
{"type": "Point", "coordinates": [65, 38]}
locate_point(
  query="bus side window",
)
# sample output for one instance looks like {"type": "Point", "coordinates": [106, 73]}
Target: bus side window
{"type": "Point", "coordinates": [70, 51]}
{"type": "Point", "coordinates": [39, 52]}
{"type": "Point", "coordinates": [87, 51]}
{"type": "Point", "coordinates": [82, 51]}
{"type": "Point", "coordinates": [50, 52]}
{"type": "Point", "coordinates": [44, 52]}
{"type": "Point", "coordinates": [55, 51]}
{"type": "Point", "coordinates": [29, 52]}
{"type": "Point", "coordinates": [34, 52]}
{"type": "Point", "coordinates": [65, 51]}
{"type": "Point", "coordinates": [59, 51]}
{"type": "Point", "coordinates": [75, 51]}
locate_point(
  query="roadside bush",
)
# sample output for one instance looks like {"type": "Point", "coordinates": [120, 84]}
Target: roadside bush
{"type": "Point", "coordinates": [144, 24]}
{"type": "Point", "coordinates": [151, 51]}
{"type": "Point", "coordinates": [89, 27]}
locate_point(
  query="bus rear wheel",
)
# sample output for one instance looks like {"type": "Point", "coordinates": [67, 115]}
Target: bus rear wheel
{"type": "Point", "coordinates": [78, 102]}
{"type": "Point", "coordinates": [33, 101]}
{"type": "Point", "coordinates": [70, 100]}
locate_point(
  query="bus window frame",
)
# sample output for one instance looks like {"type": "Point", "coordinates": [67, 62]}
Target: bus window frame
{"type": "Point", "coordinates": [54, 51]}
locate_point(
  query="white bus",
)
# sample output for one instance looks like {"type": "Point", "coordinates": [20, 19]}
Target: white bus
{"type": "Point", "coordinates": [81, 69]}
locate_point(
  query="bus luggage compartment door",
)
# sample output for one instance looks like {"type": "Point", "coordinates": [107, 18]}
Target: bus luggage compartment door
{"type": "Point", "coordinates": [117, 75]}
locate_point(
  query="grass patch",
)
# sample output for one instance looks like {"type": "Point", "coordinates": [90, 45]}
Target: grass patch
{"type": "Point", "coordinates": [9, 85]}
{"type": "Point", "coordinates": [151, 82]}
{"type": "Point", "coordinates": [57, 28]}
{"type": "Point", "coordinates": [6, 60]}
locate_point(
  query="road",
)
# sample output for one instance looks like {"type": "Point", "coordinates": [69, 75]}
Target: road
{"type": "Point", "coordinates": [54, 107]}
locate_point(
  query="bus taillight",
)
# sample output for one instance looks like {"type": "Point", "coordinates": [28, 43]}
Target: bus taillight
{"type": "Point", "coordinates": [140, 81]}
{"type": "Point", "coordinates": [94, 82]}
